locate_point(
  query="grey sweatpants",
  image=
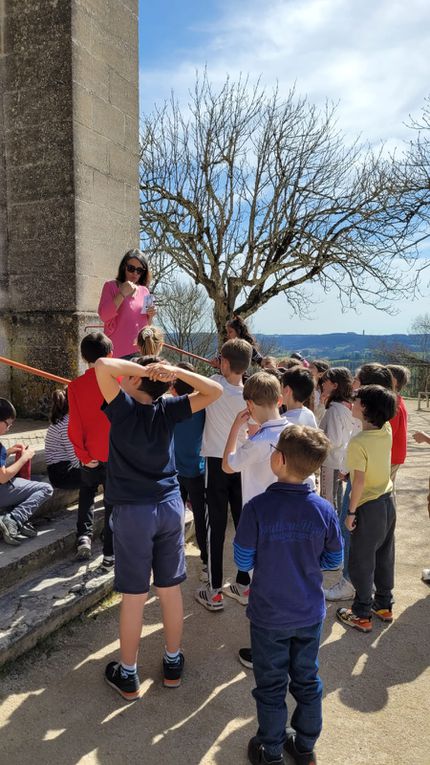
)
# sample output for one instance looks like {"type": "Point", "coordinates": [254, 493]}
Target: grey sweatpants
{"type": "Point", "coordinates": [21, 498]}
{"type": "Point", "coordinates": [371, 557]}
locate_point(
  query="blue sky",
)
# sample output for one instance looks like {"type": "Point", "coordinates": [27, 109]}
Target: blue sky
{"type": "Point", "coordinates": [369, 57]}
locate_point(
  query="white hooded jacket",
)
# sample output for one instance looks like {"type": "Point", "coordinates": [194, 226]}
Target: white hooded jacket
{"type": "Point", "coordinates": [337, 424]}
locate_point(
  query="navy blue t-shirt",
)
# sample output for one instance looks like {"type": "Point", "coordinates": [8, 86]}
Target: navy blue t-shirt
{"type": "Point", "coordinates": [141, 465]}
{"type": "Point", "coordinates": [3, 455]}
{"type": "Point", "coordinates": [188, 444]}
{"type": "Point", "coordinates": [283, 533]}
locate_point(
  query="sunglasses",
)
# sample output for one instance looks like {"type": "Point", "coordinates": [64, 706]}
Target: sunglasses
{"type": "Point", "coordinates": [135, 269]}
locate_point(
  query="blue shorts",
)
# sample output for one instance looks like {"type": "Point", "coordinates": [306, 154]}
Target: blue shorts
{"type": "Point", "coordinates": [148, 537]}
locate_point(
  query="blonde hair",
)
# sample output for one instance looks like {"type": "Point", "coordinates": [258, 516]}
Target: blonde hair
{"type": "Point", "coordinates": [262, 389]}
{"type": "Point", "coordinates": [150, 340]}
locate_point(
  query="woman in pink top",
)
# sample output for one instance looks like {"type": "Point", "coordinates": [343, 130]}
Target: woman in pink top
{"type": "Point", "coordinates": [126, 304]}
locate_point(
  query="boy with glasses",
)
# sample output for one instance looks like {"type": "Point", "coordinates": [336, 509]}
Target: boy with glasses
{"type": "Point", "coordinates": [19, 497]}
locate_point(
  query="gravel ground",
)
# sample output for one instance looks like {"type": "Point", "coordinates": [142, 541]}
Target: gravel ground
{"type": "Point", "coordinates": [56, 709]}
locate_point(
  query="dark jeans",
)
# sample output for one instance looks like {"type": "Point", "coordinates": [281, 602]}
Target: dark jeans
{"type": "Point", "coordinates": [281, 657]}
{"type": "Point", "coordinates": [194, 490]}
{"type": "Point", "coordinates": [371, 558]}
{"type": "Point", "coordinates": [91, 478]}
{"type": "Point", "coordinates": [63, 476]}
{"type": "Point", "coordinates": [222, 490]}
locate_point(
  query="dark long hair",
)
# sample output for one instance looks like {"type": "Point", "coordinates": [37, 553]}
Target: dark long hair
{"type": "Point", "coordinates": [60, 405]}
{"type": "Point", "coordinates": [343, 377]}
{"type": "Point", "coordinates": [144, 278]}
{"type": "Point", "coordinates": [241, 330]}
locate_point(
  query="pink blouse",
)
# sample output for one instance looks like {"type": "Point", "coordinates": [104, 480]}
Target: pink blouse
{"type": "Point", "coordinates": [122, 325]}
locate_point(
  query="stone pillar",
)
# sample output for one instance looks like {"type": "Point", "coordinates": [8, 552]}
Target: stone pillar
{"type": "Point", "coordinates": [70, 182]}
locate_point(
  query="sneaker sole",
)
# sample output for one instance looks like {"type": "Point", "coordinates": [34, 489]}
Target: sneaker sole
{"type": "Point", "coordinates": [209, 606]}
{"type": "Point", "coordinates": [127, 696]}
{"type": "Point", "coordinates": [386, 619]}
{"type": "Point", "coordinates": [354, 626]}
{"type": "Point", "coordinates": [239, 598]}
{"type": "Point", "coordinates": [245, 663]}
{"type": "Point", "coordinates": [172, 683]}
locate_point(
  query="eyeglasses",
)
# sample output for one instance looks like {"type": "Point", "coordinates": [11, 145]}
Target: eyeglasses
{"type": "Point", "coordinates": [9, 424]}
{"type": "Point", "coordinates": [272, 446]}
{"type": "Point", "coordinates": [133, 269]}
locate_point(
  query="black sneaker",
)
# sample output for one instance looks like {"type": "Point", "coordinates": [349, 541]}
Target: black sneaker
{"type": "Point", "coordinates": [245, 657]}
{"type": "Point", "coordinates": [127, 687]}
{"type": "Point", "coordinates": [300, 758]}
{"type": "Point", "coordinates": [83, 551]}
{"type": "Point", "coordinates": [108, 562]}
{"type": "Point", "coordinates": [28, 530]}
{"type": "Point", "coordinates": [172, 672]}
{"type": "Point", "coordinates": [258, 756]}
{"type": "Point", "coordinates": [9, 529]}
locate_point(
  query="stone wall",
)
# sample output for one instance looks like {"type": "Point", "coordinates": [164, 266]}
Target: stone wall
{"type": "Point", "coordinates": [70, 105]}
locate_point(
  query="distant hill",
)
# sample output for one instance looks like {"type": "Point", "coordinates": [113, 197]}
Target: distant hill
{"type": "Point", "coordinates": [336, 345]}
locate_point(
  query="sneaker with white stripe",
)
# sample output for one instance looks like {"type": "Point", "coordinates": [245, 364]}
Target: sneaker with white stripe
{"type": "Point", "coordinates": [239, 592]}
{"type": "Point", "coordinates": [211, 599]}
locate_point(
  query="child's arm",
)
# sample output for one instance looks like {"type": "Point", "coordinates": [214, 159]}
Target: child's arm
{"type": "Point", "coordinates": [420, 437]}
{"type": "Point", "coordinates": [246, 539]}
{"type": "Point", "coordinates": [231, 445]}
{"type": "Point", "coordinates": [7, 473]}
{"type": "Point", "coordinates": [206, 390]}
{"type": "Point", "coordinates": [357, 487]}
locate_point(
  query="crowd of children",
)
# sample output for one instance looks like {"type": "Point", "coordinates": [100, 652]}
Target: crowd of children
{"type": "Point", "coordinates": [157, 436]}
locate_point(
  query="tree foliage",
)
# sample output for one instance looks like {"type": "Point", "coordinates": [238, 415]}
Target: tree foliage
{"type": "Point", "coordinates": [253, 195]}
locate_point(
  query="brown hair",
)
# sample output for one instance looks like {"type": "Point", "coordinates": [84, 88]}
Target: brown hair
{"type": "Point", "coordinates": [60, 405]}
{"type": "Point", "coordinates": [238, 354]}
{"type": "Point", "coordinates": [401, 375]}
{"type": "Point", "coordinates": [304, 449]}
{"type": "Point", "coordinates": [262, 389]}
{"type": "Point", "coordinates": [150, 340]}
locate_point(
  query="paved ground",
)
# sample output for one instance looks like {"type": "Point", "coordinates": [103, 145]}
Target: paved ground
{"type": "Point", "coordinates": [57, 710]}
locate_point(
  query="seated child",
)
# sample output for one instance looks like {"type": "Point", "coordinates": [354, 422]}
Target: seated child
{"type": "Point", "coordinates": [285, 535]}
{"type": "Point", "coordinates": [148, 513]}
{"type": "Point", "coordinates": [371, 516]}
{"type": "Point", "coordinates": [18, 497]}
{"type": "Point", "coordinates": [298, 385]}
{"type": "Point", "coordinates": [150, 341]}
{"type": "Point", "coordinates": [89, 433]}
{"type": "Point", "coordinates": [223, 492]}
{"type": "Point", "coordinates": [191, 466]}
{"type": "Point", "coordinates": [60, 457]}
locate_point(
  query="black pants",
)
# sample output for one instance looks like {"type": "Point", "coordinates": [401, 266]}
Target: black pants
{"type": "Point", "coordinates": [371, 558]}
{"type": "Point", "coordinates": [63, 476]}
{"type": "Point", "coordinates": [222, 490]}
{"type": "Point", "coordinates": [91, 478]}
{"type": "Point", "coordinates": [194, 490]}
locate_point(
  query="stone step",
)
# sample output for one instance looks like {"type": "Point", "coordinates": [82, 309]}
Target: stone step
{"type": "Point", "coordinates": [55, 541]}
{"type": "Point", "coordinates": [34, 609]}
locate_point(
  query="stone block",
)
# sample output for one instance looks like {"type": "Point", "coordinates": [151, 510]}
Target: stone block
{"type": "Point", "coordinates": [91, 148]}
{"type": "Point", "coordinates": [108, 120]}
{"type": "Point", "coordinates": [82, 105]}
{"type": "Point", "coordinates": [108, 47]}
{"type": "Point", "coordinates": [45, 180]}
{"type": "Point", "coordinates": [82, 25]}
{"type": "Point", "coordinates": [34, 107]}
{"type": "Point", "coordinates": [36, 24]}
{"type": "Point", "coordinates": [45, 221]}
{"type": "Point", "coordinates": [131, 135]}
{"type": "Point", "coordinates": [90, 72]}
{"type": "Point", "coordinates": [123, 165]}
{"type": "Point", "coordinates": [84, 182]}
{"type": "Point", "coordinates": [38, 143]}
{"type": "Point", "coordinates": [123, 94]}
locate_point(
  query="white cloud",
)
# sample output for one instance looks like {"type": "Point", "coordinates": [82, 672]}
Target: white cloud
{"type": "Point", "coordinates": [371, 57]}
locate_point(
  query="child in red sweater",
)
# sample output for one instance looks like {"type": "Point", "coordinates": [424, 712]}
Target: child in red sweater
{"type": "Point", "coordinates": [89, 433]}
{"type": "Point", "coordinates": [399, 423]}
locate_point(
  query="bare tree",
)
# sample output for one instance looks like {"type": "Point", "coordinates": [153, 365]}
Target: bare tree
{"type": "Point", "coordinates": [413, 171]}
{"type": "Point", "coordinates": [186, 317]}
{"type": "Point", "coordinates": [421, 326]}
{"type": "Point", "coordinates": [252, 195]}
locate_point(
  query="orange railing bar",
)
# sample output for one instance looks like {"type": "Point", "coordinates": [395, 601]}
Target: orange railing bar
{"type": "Point", "coordinates": [34, 371]}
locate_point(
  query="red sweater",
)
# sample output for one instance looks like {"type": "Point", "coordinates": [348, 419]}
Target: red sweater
{"type": "Point", "coordinates": [88, 426]}
{"type": "Point", "coordinates": [399, 426]}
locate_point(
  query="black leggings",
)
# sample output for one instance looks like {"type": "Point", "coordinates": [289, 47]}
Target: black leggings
{"type": "Point", "coordinates": [63, 475]}
{"type": "Point", "coordinates": [222, 490]}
